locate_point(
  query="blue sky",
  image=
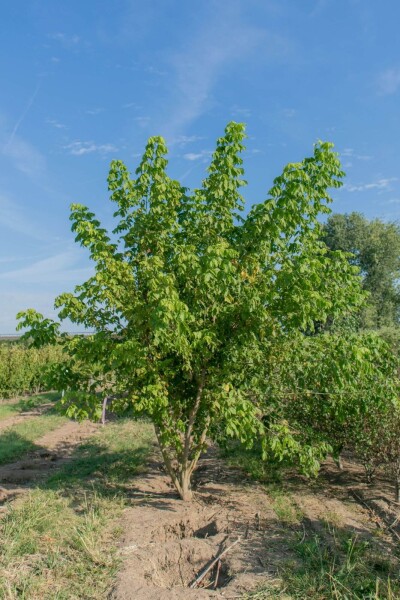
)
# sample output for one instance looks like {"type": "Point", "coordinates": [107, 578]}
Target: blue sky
{"type": "Point", "coordinates": [86, 82]}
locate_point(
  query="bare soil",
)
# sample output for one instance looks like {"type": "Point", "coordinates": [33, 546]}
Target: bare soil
{"type": "Point", "coordinates": [52, 451]}
{"type": "Point", "coordinates": [166, 543]}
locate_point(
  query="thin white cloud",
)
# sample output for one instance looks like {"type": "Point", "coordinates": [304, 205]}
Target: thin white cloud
{"type": "Point", "coordinates": [384, 185]}
{"type": "Point", "coordinates": [14, 301]}
{"type": "Point", "coordinates": [351, 153]}
{"type": "Point", "coordinates": [142, 121]}
{"type": "Point", "coordinates": [203, 154]}
{"type": "Point", "coordinates": [289, 113]}
{"type": "Point", "coordinates": [223, 40]}
{"type": "Point", "coordinates": [240, 112]}
{"type": "Point", "coordinates": [94, 111]}
{"type": "Point", "coordinates": [25, 157]}
{"type": "Point", "coordinates": [60, 268]}
{"type": "Point", "coordinates": [22, 117]}
{"type": "Point", "coordinates": [79, 148]}
{"type": "Point", "coordinates": [183, 140]}
{"type": "Point", "coordinates": [131, 105]}
{"type": "Point", "coordinates": [388, 81]}
{"type": "Point", "coordinates": [56, 124]}
{"type": "Point", "coordinates": [68, 41]}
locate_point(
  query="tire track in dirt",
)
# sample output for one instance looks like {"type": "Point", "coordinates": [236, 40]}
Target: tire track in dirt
{"type": "Point", "coordinates": [24, 416]}
{"type": "Point", "coordinates": [52, 451]}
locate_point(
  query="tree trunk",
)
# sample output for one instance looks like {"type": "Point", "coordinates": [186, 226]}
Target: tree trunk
{"type": "Point", "coordinates": [181, 468]}
{"type": "Point", "coordinates": [181, 464]}
{"type": "Point", "coordinates": [339, 461]}
{"type": "Point", "coordinates": [397, 487]}
{"type": "Point", "coordinates": [184, 489]}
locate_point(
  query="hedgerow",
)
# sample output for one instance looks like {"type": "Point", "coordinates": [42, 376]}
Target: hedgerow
{"type": "Point", "coordinates": [26, 370]}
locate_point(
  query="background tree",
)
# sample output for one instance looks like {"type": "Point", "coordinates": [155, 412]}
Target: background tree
{"type": "Point", "coordinates": [375, 248]}
{"type": "Point", "coordinates": [189, 298]}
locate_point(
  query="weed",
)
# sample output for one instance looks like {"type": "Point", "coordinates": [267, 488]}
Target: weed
{"type": "Point", "coordinates": [287, 511]}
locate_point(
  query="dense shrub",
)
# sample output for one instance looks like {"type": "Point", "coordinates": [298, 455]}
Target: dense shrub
{"type": "Point", "coordinates": [26, 370]}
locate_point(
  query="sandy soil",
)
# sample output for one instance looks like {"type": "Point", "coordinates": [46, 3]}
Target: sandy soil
{"type": "Point", "coordinates": [167, 543]}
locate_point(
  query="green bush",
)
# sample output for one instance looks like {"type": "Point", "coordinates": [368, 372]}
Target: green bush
{"type": "Point", "coordinates": [26, 370]}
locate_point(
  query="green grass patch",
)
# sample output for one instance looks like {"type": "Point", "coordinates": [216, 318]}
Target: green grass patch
{"type": "Point", "coordinates": [11, 409]}
{"type": "Point", "coordinates": [346, 568]}
{"type": "Point", "coordinates": [287, 511]}
{"type": "Point", "coordinates": [19, 439]}
{"type": "Point", "coordinates": [251, 463]}
{"type": "Point", "coordinates": [60, 542]}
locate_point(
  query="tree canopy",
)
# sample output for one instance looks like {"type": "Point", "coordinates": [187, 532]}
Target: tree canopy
{"type": "Point", "coordinates": [190, 298]}
{"type": "Point", "coordinates": [375, 249]}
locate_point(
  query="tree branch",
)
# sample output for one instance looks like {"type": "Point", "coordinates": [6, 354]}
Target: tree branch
{"type": "Point", "coordinates": [191, 421]}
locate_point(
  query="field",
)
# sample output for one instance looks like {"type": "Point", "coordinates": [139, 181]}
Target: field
{"type": "Point", "coordinates": [88, 512]}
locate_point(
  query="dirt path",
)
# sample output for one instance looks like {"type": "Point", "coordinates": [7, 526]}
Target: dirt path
{"type": "Point", "coordinates": [22, 417]}
{"type": "Point", "coordinates": [53, 450]}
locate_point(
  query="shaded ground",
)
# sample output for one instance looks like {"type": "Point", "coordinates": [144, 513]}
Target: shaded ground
{"type": "Point", "coordinates": [349, 486]}
{"type": "Point", "coordinates": [50, 452]}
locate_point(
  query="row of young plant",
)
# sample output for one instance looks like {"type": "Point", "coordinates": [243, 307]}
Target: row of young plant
{"type": "Point", "coordinates": [26, 370]}
{"type": "Point", "coordinates": [337, 392]}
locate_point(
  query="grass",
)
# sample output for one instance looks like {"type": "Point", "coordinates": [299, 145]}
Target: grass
{"type": "Point", "coordinates": [10, 409]}
{"type": "Point", "coordinates": [345, 568]}
{"type": "Point", "coordinates": [284, 506]}
{"type": "Point", "coordinates": [251, 463]}
{"type": "Point", "coordinates": [19, 439]}
{"type": "Point", "coordinates": [59, 543]}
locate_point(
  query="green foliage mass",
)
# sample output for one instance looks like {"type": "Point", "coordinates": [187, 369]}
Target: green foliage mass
{"type": "Point", "coordinates": [375, 249]}
{"type": "Point", "coordinates": [190, 299]}
{"type": "Point", "coordinates": [332, 384]}
{"type": "Point", "coordinates": [26, 370]}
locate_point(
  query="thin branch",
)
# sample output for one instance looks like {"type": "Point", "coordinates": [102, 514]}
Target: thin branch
{"type": "Point", "coordinates": [168, 461]}
{"type": "Point", "coordinates": [200, 578]}
{"type": "Point", "coordinates": [199, 446]}
{"type": "Point", "coordinates": [103, 412]}
{"type": "Point", "coordinates": [192, 418]}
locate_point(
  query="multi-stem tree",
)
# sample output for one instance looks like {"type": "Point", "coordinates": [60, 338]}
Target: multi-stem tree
{"type": "Point", "coordinates": [188, 296]}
